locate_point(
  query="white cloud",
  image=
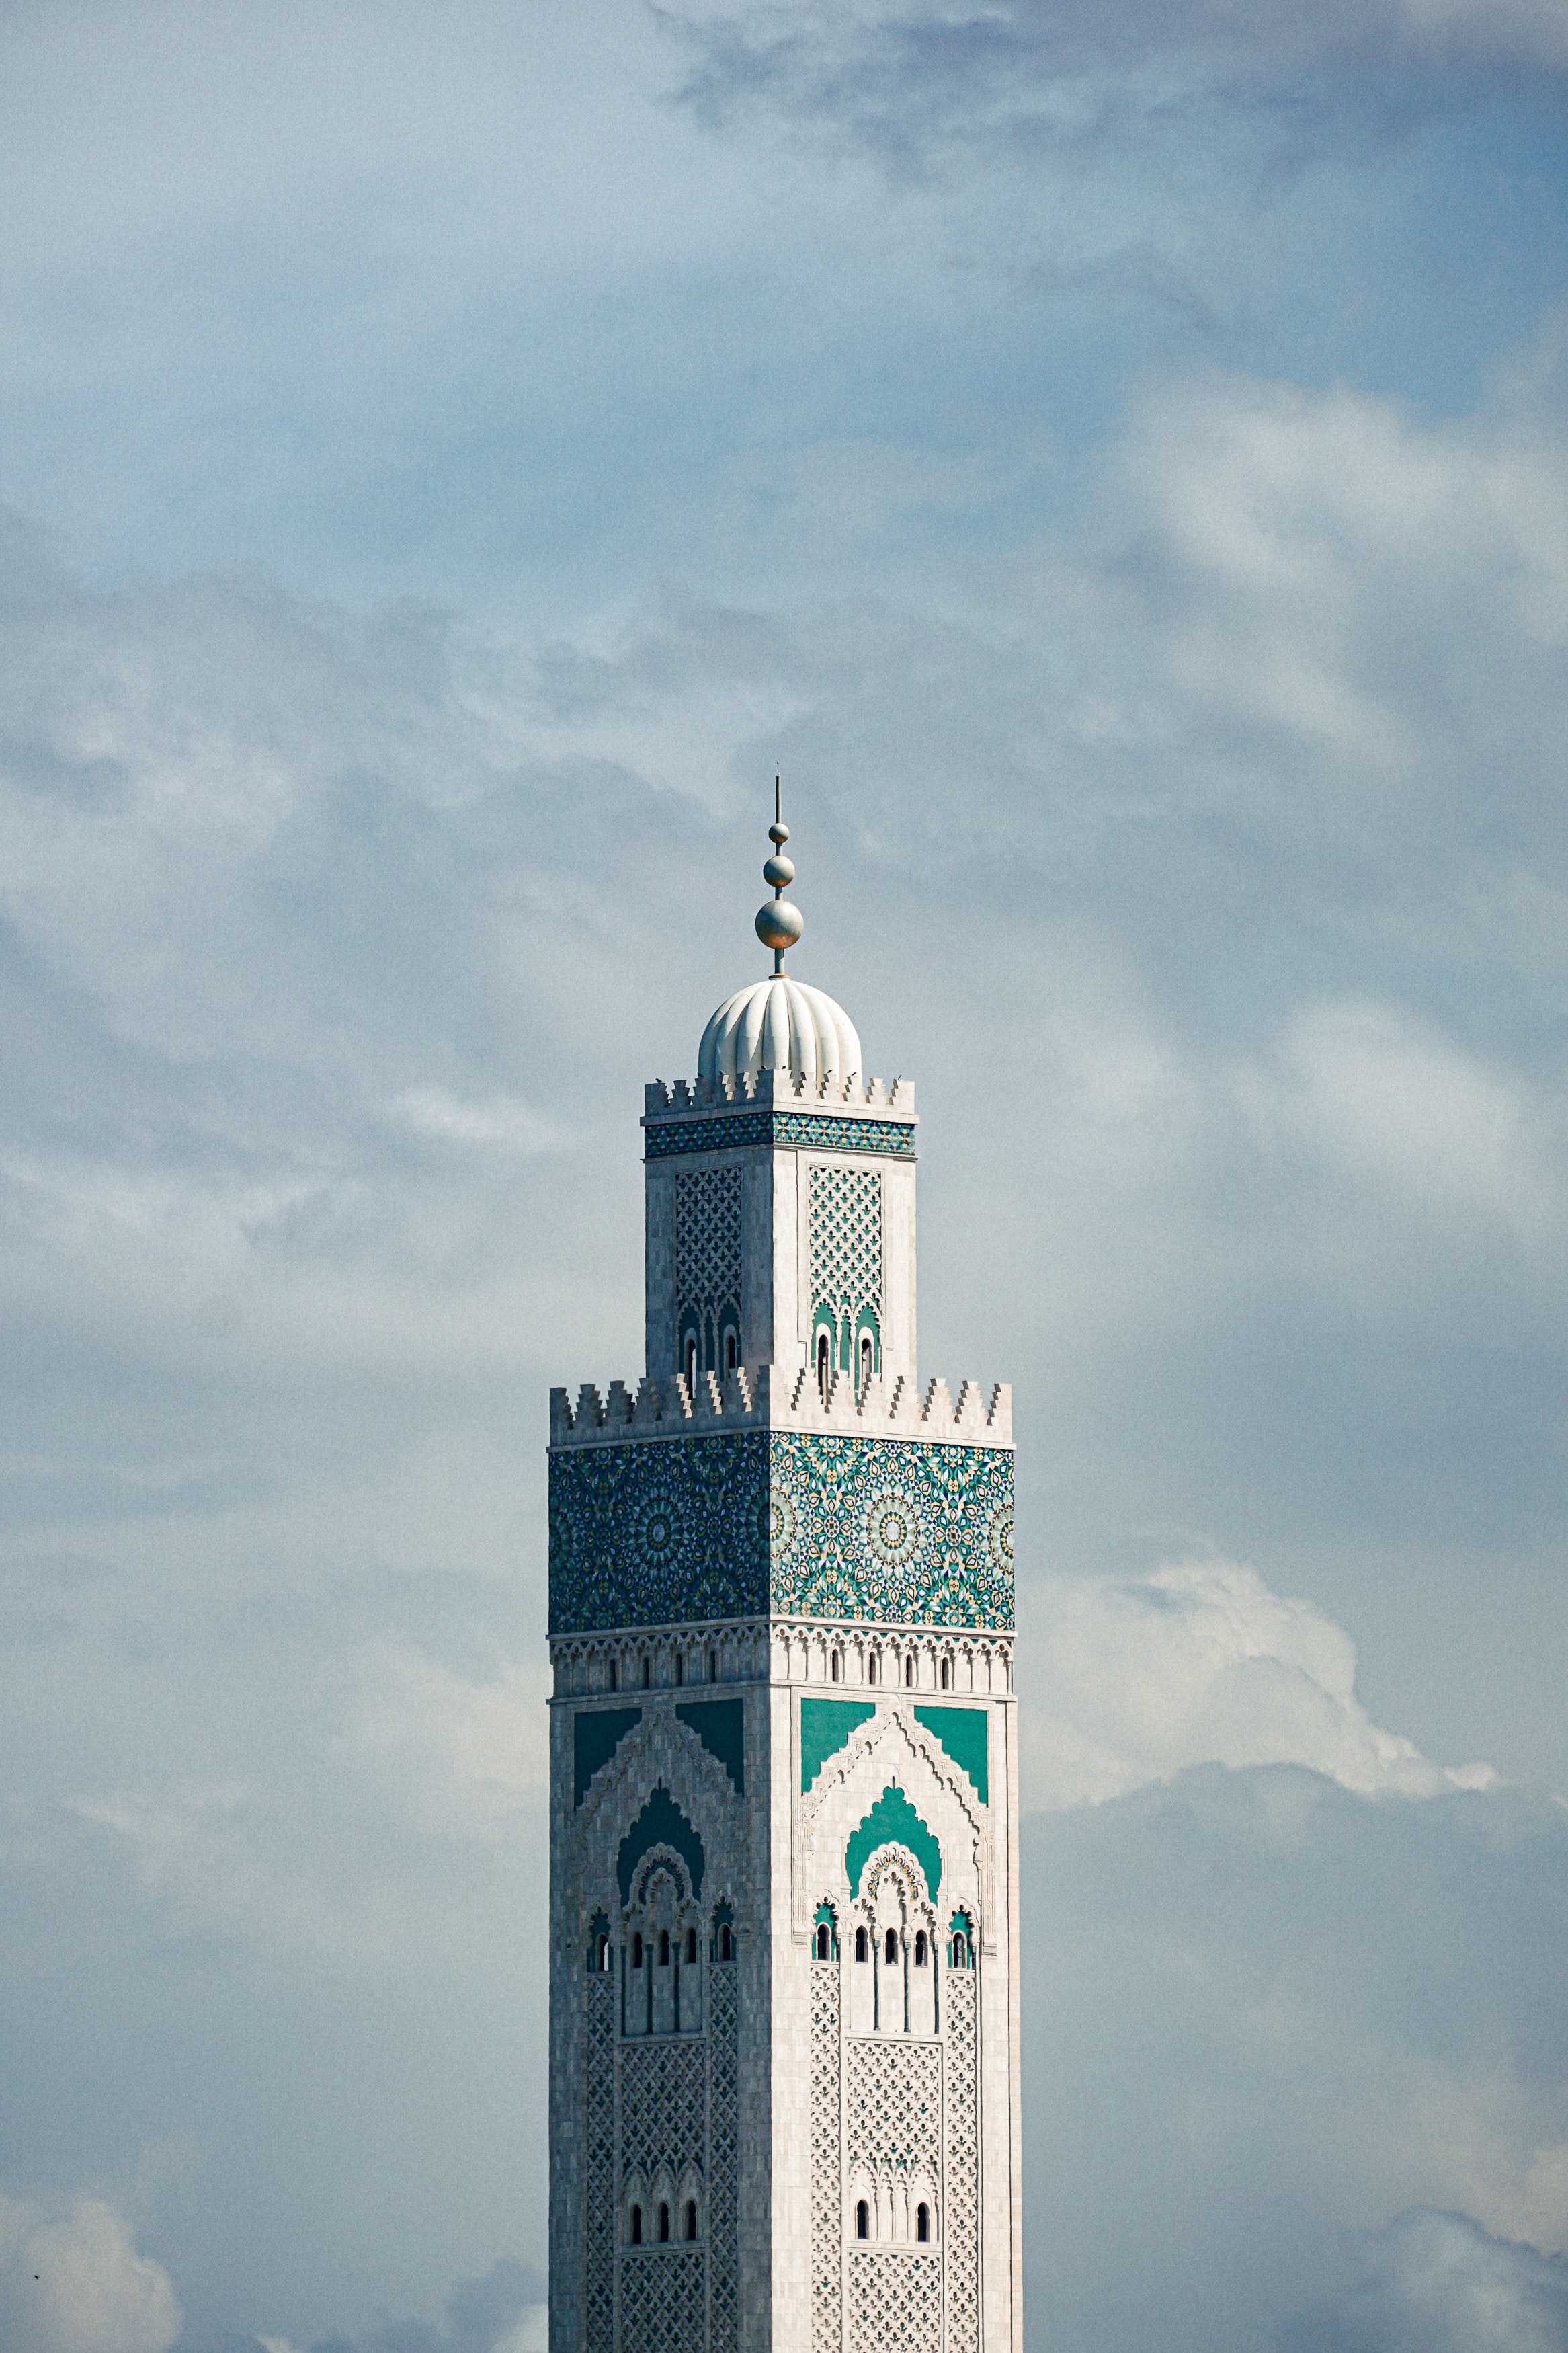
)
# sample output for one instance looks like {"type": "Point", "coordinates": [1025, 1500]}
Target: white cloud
{"type": "Point", "coordinates": [1398, 1106]}
{"type": "Point", "coordinates": [72, 2282]}
{"type": "Point", "coordinates": [501, 1119]}
{"type": "Point", "coordinates": [467, 1755]}
{"type": "Point", "coordinates": [1437, 2282]}
{"type": "Point", "coordinates": [531, 2334]}
{"type": "Point", "coordinates": [1132, 1682]}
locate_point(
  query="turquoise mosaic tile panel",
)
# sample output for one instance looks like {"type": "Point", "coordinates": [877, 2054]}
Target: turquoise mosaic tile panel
{"type": "Point", "coordinates": [895, 1530]}
{"type": "Point", "coordinates": [813, 1131]}
{"type": "Point", "coordinates": [668, 1531]}
{"type": "Point", "coordinates": [653, 1535]}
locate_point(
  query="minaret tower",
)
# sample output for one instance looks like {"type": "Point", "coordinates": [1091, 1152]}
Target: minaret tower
{"type": "Point", "coordinates": [784, 2022]}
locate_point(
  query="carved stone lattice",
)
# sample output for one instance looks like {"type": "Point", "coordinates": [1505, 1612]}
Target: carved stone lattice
{"type": "Point", "coordinates": [662, 2106]}
{"type": "Point", "coordinates": [723, 2204]}
{"type": "Point", "coordinates": [895, 2106]}
{"type": "Point", "coordinates": [826, 2191]}
{"type": "Point", "coordinates": [846, 1240]}
{"type": "Point", "coordinates": [708, 1240]}
{"type": "Point", "coordinates": [661, 2301]}
{"type": "Point", "coordinates": [962, 2231]}
{"type": "Point", "coordinates": [895, 2303]}
{"type": "Point", "coordinates": [599, 2154]}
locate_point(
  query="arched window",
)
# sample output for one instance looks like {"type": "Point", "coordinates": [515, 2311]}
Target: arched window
{"type": "Point", "coordinates": [824, 1942]}
{"type": "Point", "coordinates": [637, 1952]}
{"type": "Point", "coordinates": [860, 1954]}
{"type": "Point", "coordinates": [729, 1352]}
{"type": "Point", "coordinates": [679, 1668]}
{"type": "Point", "coordinates": [664, 1948]}
{"type": "Point", "coordinates": [691, 1365]}
{"type": "Point", "coordinates": [947, 1674]}
{"type": "Point", "coordinates": [691, 2217]}
{"type": "Point", "coordinates": [909, 1671]}
{"type": "Point", "coordinates": [602, 1955]}
{"type": "Point", "coordinates": [690, 1944]}
{"type": "Point", "coordinates": [663, 2224]}
{"type": "Point", "coordinates": [822, 1369]}
{"type": "Point", "coordinates": [646, 1674]}
{"type": "Point", "coordinates": [637, 2226]}
{"type": "Point", "coordinates": [862, 2219]}
{"type": "Point", "coordinates": [873, 1668]}
{"type": "Point", "coordinates": [961, 1951]}
{"type": "Point", "coordinates": [837, 1666]}
{"type": "Point", "coordinates": [922, 2221]}
{"type": "Point", "coordinates": [865, 1362]}
{"type": "Point", "coordinates": [890, 1947]}
{"type": "Point", "coordinates": [611, 1684]}
{"type": "Point", "coordinates": [713, 1666]}
{"type": "Point", "coordinates": [920, 1948]}
{"type": "Point", "coordinates": [724, 1947]}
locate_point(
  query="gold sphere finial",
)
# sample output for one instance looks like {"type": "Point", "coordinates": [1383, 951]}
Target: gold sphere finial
{"type": "Point", "coordinates": [779, 924]}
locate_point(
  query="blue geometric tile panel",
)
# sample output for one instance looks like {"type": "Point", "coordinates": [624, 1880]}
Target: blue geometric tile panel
{"type": "Point", "coordinates": [813, 1131]}
{"type": "Point", "coordinates": [671, 1531]}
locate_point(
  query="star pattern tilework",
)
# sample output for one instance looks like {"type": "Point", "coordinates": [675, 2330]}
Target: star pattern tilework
{"type": "Point", "coordinates": [896, 1531]}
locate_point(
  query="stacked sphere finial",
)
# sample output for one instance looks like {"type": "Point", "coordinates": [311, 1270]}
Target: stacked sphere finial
{"type": "Point", "coordinates": [779, 924]}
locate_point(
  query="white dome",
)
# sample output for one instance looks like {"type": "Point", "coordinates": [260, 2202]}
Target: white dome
{"type": "Point", "coordinates": [779, 1025]}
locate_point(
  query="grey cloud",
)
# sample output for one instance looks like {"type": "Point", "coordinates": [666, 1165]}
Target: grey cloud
{"type": "Point", "coordinates": [1263, 2014]}
{"type": "Point", "coordinates": [1436, 2283]}
{"type": "Point", "coordinates": [918, 85]}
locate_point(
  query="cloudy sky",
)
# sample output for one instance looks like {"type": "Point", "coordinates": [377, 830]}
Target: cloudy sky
{"type": "Point", "coordinates": [1114, 457]}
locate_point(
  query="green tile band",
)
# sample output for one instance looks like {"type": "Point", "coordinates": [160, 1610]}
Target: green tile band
{"type": "Point", "coordinates": [813, 1131]}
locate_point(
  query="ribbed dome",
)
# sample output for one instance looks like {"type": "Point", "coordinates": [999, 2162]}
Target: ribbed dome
{"type": "Point", "coordinates": [779, 1025]}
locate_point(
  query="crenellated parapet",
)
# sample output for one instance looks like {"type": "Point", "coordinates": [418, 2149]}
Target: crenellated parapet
{"type": "Point", "coordinates": [852, 1094]}
{"type": "Point", "coordinates": [780, 1110]}
{"type": "Point", "coordinates": [761, 1397]}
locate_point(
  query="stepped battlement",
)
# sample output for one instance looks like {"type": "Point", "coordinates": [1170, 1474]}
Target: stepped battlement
{"type": "Point", "coordinates": [763, 1397]}
{"type": "Point", "coordinates": [782, 1088]}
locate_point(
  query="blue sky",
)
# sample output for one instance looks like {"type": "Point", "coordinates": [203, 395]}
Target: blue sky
{"type": "Point", "coordinates": [1116, 460]}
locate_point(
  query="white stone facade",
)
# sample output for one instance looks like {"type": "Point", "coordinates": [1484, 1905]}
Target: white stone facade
{"type": "Point", "coordinates": [784, 1849]}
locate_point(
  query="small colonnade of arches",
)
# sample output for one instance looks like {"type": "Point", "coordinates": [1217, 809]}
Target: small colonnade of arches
{"type": "Point", "coordinates": [659, 2210]}
{"type": "Point", "coordinates": [892, 2208]}
{"type": "Point", "coordinates": [804, 1652]}
{"type": "Point", "coordinates": [894, 1963]}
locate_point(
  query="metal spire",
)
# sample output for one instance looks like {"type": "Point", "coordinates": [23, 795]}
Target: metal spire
{"type": "Point", "coordinates": [779, 924]}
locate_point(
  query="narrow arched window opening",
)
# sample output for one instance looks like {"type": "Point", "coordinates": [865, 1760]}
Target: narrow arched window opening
{"type": "Point", "coordinates": [691, 1945]}
{"type": "Point", "coordinates": [960, 1952]}
{"type": "Point", "coordinates": [947, 1674]}
{"type": "Point", "coordinates": [646, 1674]}
{"type": "Point", "coordinates": [613, 1679]}
{"type": "Point", "coordinates": [724, 1945]}
{"type": "Point", "coordinates": [691, 2218]}
{"type": "Point", "coordinates": [908, 1672]}
{"type": "Point", "coordinates": [865, 1362]}
{"type": "Point", "coordinates": [637, 2226]}
{"type": "Point", "coordinates": [637, 1952]}
{"type": "Point", "coordinates": [602, 1955]}
{"type": "Point", "coordinates": [663, 2225]}
{"type": "Point", "coordinates": [692, 1367]}
{"type": "Point", "coordinates": [890, 1947]}
{"type": "Point", "coordinates": [861, 1944]}
{"type": "Point", "coordinates": [823, 1944]}
{"type": "Point", "coordinates": [679, 1669]}
{"type": "Point", "coordinates": [729, 1352]}
{"type": "Point", "coordinates": [821, 1370]}
{"type": "Point", "coordinates": [713, 1666]}
{"type": "Point", "coordinates": [838, 1667]}
{"type": "Point", "coordinates": [862, 2219]}
{"type": "Point", "coordinates": [664, 1948]}
{"type": "Point", "coordinates": [922, 2222]}
{"type": "Point", "coordinates": [873, 1668]}
{"type": "Point", "coordinates": [920, 1950]}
